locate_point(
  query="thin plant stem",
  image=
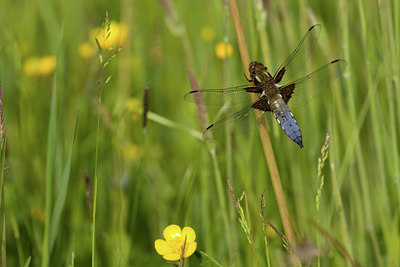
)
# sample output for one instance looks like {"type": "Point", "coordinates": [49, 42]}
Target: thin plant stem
{"type": "Point", "coordinates": [244, 219]}
{"type": "Point", "coordinates": [266, 143]}
{"type": "Point", "coordinates": [261, 18]}
{"type": "Point", "coordinates": [172, 124]}
{"type": "Point", "coordinates": [95, 186]}
{"type": "Point", "coordinates": [50, 159]}
{"type": "Point", "coordinates": [262, 202]}
{"type": "Point", "coordinates": [386, 31]}
{"type": "Point", "coordinates": [340, 210]}
{"type": "Point", "coordinates": [321, 180]}
{"type": "Point", "coordinates": [368, 217]}
{"type": "Point", "coordinates": [3, 252]}
{"type": "Point", "coordinates": [220, 192]}
{"type": "Point", "coordinates": [253, 247]}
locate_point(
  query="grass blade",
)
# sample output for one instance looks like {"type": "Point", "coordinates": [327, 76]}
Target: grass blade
{"type": "Point", "coordinates": [62, 192]}
{"type": "Point", "coordinates": [50, 158]}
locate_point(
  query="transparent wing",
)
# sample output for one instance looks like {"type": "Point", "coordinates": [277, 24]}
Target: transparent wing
{"type": "Point", "coordinates": [312, 85]}
{"type": "Point", "coordinates": [243, 121]}
{"type": "Point", "coordinates": [226, 96]}
{"type": "Point", "coordinates": [297, 60]}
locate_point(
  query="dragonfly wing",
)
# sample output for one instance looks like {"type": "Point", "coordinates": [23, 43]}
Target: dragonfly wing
{"type": "Point", "coordinates": [310, 86]}
{"type": "Point", "coordinates": [240, 122]}
{"type": "Point", "coordinates": [290, 69]}
{"type": "Point", "coordinates": [226, 96]}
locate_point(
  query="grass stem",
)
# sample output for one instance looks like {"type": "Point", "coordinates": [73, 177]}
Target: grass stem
{"type": "Point", "coordinates": [266, 142]}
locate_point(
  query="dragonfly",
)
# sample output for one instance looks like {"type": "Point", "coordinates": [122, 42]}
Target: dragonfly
{"type": "Point", "coordinates": [276, 94]}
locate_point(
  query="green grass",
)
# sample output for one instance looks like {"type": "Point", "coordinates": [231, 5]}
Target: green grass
{"type": "Point", "coordinates": [148, 179]}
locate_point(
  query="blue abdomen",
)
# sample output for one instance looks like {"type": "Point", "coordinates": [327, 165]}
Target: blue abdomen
{"type": "Point", "coordinates": [288, 123]}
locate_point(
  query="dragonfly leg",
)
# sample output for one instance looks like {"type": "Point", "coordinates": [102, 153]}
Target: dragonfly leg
{"type": "Point", "coordinates": [249, 80]}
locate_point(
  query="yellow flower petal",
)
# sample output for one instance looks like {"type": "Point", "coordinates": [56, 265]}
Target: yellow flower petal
{"type": "Point", "coordinates": [224, 50]}
{"type": "Point", "coordinates": [190, 249]}
{"type": "Point", "coordinates": [172, 231]}
{"type": "Point", "coordinates": [190, 234]}
{"type": "Point", "coordinates": [172, 257]}
{"type": "Point", "coordinates": [48, 64]}
{"type": "Point", "coordinates": [162, 247]}
{"type": "Point", "coordinates": [86, 50]}
{"type": "Point", "coordinates": [173, 246]}
{"type": "Point", "coordinates": [31, 66]}
{"type": "Point", "coordinates": [117, 37]}
{"type": "Point", "coordinates": [123, 33]}
{"type": "Point", "coordinates": [40, 66]}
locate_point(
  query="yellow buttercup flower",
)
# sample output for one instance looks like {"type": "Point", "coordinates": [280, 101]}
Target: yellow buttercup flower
{"type": "Point", "coordinates": [118, 35]}
{"type": "Point", "coordinates": [171, 247]}
{"type": "Point", "coordinates": [224, 50]}
{"type": "Point", "coordinates": [86, 50]}
{"type": "Point", "coordinates": [40, 66]}
{"type": "Point", "coordinates": [207, 34]}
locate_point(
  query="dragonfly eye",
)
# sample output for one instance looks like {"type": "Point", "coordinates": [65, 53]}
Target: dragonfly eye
{"type": "Point", "coordinates": [252, 67]}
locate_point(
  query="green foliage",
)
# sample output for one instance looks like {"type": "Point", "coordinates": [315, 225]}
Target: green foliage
{"type": "Point", "coordinates": [167, 174]}
{"type": "Point", "coordinates": [201, 259]}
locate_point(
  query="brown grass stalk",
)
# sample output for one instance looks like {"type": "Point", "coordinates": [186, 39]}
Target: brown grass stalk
{"type": "Point", "coordinates": [266, 142]}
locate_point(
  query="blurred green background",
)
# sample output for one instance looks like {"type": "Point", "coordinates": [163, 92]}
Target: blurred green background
{"type": "Point", "coordinates": [148, 179]}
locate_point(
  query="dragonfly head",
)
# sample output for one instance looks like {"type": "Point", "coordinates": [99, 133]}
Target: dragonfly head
{"type": "Point", "coordinates": [258, 71]}
{"type": "Point", "coordinates": [256, 67]}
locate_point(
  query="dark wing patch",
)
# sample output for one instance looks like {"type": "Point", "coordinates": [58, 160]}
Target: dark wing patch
{"type": "Point", "coordinates": [287, 92]}
{"type": "Point", "coordinates": [255, 89]}
{"type": "Point", "coordinates": [262, 104]}
{"type": "Point", "coordinates": [279, 75]}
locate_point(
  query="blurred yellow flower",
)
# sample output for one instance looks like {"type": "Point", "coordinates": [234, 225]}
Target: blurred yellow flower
{"type": "Point", "coordinates": [224, 50]}
{"type": "Point", "coordinates": [86, 50]}
{"type": "Point", "coordinates": [118, 35]}
{"type": "Point", "coordinates": [207, 34]}
{"type": "Point", "coordinates": [132, 151]}
{"type": "Point", "coordinates": [40, 66]}
{"type": "Point", "coordinates": [135, 107]}
{"type": "Point", "coordinates": [171, 247]}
